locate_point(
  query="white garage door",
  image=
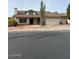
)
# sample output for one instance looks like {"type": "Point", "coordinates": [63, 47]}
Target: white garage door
{"type": "Point", "coordinates": [52, 21]}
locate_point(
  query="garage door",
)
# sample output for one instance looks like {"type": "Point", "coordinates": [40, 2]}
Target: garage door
{"type": "Point", "coordinates": [52, 21]}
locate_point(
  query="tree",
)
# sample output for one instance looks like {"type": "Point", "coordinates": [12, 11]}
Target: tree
{"type": "Point", "coordinates": [42, 13]}
{"type": "Point", "coordinates": [68, 12]}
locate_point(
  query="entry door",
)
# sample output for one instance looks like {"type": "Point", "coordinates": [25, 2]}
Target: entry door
{"type": "Point", "coordinates": [31, 21]}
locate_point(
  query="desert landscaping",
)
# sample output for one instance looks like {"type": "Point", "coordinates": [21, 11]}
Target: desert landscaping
{"type": "Point", "coordinates": [38, 28]}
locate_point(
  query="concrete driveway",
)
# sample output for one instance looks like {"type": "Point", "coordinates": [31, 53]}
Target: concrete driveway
{"type": "Point", "coordinates": [39, 45]}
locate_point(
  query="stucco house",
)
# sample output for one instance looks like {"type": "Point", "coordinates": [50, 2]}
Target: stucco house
{"type": "Point", "coordinates": [33, 17]}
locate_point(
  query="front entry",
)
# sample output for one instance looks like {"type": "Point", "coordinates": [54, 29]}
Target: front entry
{"type": "Point", "coordinates": [31, 21]}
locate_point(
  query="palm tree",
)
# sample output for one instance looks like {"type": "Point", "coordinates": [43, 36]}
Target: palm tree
{"type": "Point", "coordinates": [68, 12]}
{"type": "Point", "coordinates": [42, 13]}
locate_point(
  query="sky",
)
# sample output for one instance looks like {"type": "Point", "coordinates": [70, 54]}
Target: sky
{"type": "Point", "coordinates": [51, 5]}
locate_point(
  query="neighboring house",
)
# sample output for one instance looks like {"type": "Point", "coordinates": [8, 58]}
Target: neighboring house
{"type": "Point", "coordinates": [34, 18]}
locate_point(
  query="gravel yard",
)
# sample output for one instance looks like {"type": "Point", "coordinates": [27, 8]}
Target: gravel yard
{"type": "Point", "coordinates": [38, 27]}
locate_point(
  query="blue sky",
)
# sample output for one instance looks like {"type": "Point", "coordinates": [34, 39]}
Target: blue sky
{"type": "Point", "coordinates": [51, 5]}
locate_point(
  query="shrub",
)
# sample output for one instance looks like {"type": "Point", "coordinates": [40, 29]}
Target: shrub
{"type": "Point", "coordinates": [12, 22]}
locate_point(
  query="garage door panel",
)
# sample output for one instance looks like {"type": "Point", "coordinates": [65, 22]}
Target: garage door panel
{"type": "Point", "coordinates": [52, 21]}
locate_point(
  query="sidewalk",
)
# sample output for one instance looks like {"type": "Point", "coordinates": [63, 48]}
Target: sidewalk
{"type": "Point", "coordinates": [39, 28]}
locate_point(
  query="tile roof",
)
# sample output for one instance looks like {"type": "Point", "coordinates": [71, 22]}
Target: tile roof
{"type": "Point", "coordinates": [48, 14]}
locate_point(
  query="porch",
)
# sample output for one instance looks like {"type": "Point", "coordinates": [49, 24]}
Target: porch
{"type": "Point", "coordinates": [29, 21]}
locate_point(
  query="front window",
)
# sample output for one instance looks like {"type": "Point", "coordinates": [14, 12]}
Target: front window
{"type": "Point", "coordinates": [22, 20]}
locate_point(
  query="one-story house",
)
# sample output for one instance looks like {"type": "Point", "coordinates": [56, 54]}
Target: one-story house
{"type": "Point", "coordinates": [33, 17]}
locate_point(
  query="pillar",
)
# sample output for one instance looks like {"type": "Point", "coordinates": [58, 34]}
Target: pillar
{"type": "Point", "coordinates": [41, 21]}
{"type": "Point", "coordinates": [28, 21]}
{"type": "Point", "coordinates": [35, 21]}
{"type": "Point", "coordinates": [17, 20]}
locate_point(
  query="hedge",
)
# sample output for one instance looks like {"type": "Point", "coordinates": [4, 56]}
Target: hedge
{"type": "Point", "coordinates": [12, 22]}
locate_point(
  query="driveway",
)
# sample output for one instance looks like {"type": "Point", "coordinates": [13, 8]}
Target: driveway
{"type": "Point", "coordinates": [39, 45]}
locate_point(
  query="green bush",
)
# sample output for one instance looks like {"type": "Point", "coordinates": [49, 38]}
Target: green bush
{"type": "Point", "coordinates": [12, 22]}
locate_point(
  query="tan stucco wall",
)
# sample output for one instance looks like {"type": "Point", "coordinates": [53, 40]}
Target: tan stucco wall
{"type": "Point", "coordinates": [49, 21]}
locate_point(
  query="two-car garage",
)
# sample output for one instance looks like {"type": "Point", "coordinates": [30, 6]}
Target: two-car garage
{"type": "Point", "coordinates": [55, 21]}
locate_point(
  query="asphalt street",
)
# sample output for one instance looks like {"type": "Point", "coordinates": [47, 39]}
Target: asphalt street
{"type": "Point", "coordinates": [39, 45]}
